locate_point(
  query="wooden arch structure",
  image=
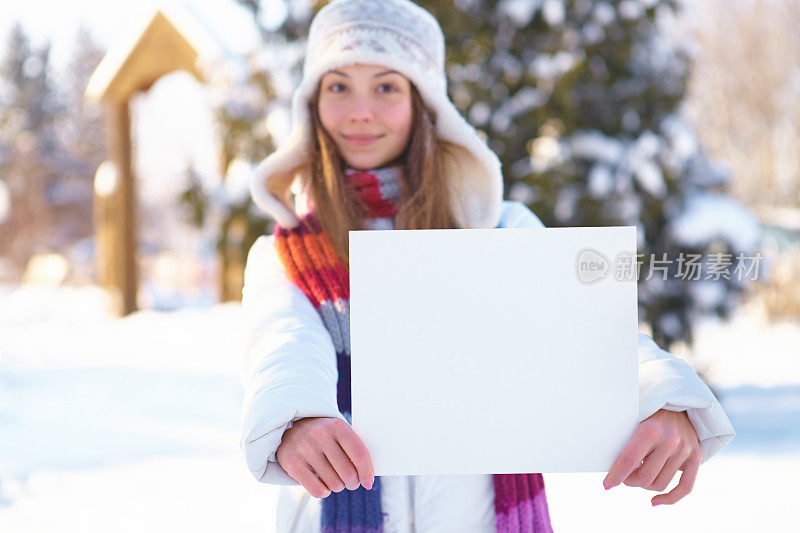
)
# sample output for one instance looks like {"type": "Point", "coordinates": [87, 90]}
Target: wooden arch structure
{"type": "Point", "coordinates": [172, 39]}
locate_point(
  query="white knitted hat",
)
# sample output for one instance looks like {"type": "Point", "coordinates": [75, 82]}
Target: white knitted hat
{"type": "Point", "coordinates": [403, 36]}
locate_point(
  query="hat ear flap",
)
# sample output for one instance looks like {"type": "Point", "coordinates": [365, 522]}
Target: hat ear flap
{"type": "Point", "coordinates": [466, 176]}
{"type": "Point", "coordinates": [271, 188]}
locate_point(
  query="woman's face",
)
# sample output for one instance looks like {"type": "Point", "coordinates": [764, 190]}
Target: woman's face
{"type": "Point", "coordinates": [367, 110]}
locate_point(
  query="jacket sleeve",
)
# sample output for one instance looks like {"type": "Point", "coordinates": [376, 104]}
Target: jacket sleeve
{"type": "Point", "coordinates": [668, 382]}
{"type": "Point", "coordinates": [665, 381]}
{"type": "Point", "coordinates": [289, 368]}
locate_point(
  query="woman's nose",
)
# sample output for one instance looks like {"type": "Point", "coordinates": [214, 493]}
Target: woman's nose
{"type": "Point", "coordinates": [360, 109]}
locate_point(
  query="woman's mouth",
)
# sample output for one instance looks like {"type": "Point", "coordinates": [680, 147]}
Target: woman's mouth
{"type": "Point", "coordinates": [362, 140]}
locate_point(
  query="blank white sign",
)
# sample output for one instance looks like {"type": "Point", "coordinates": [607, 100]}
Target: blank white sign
{"type": "Point", "coordinates": [508, 350]}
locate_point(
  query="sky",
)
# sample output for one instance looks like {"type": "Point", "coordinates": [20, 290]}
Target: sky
{"type": "Point", "coordinates": [60, 21]}
{"type": "Point", "coordinates": [110, 21]}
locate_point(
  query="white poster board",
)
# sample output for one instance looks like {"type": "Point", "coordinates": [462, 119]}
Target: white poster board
{"type": "Point", "coordinates": [508, 350]}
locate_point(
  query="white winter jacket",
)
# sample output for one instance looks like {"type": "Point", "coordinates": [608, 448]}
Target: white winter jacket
{"type": "Point", "coordinates": [290, 373]}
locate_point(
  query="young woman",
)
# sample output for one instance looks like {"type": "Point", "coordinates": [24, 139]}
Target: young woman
{"type": "Point", "coordinates": [377, 144]}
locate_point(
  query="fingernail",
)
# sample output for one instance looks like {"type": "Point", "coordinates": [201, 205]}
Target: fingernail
{"type": "Point", "coordinates": [656, 503]}
{"type": "Point", "coordinates": [368, 485]}
{"type": "Point", "coordinates": [606, 486]}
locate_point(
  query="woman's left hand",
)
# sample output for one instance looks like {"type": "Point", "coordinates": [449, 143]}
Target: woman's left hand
{"type": "Point", "coordinates": [666, 442]}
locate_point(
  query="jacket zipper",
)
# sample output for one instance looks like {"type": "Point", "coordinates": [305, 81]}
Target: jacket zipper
{"type": "Point", "coordinates": [411, 503]}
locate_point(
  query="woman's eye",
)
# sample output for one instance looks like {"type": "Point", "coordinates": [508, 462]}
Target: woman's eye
{"type": "Point", "coordinates": [384, 87]}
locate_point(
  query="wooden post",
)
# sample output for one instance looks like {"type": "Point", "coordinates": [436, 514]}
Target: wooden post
{"type": "Point", "coordinates": [106, 232]}
{"type": "Point", "coordinates": [118, 126]}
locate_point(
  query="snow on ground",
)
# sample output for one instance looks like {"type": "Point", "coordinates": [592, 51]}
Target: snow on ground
{"type": "Point", "coordinates": [186, 492]}
{"type": "Point", "coordinates": [748, 350]}
{"type": "Point", "coordinates": [70, 327]}
{"type": "Point", "coordinates": [132, 425]}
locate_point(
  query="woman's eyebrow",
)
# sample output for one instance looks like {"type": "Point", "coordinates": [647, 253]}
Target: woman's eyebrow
{"type": "Point", "coordinates": [384, 73]}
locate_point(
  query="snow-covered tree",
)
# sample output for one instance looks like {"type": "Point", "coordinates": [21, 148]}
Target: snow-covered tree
{"type": "Point", "coordinates": [82, 129]}
{"type": "Point", "coordinates": [82, 141]}
{"type": "Point", "coordinates": [50, 147]}
{"type": "Point", "coordinates": [582, 102]}
{"type": "Point", "coordinates": [29, 160]}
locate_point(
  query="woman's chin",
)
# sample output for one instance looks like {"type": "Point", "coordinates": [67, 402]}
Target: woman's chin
{"type": "Point", "coordinates": [363, 163]}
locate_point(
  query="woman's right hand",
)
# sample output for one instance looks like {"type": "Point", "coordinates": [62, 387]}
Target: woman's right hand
{"type": "Point", "coordinates": [324, 454]}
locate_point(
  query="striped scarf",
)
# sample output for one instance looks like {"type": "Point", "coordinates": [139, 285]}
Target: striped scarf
{"type": "Point", "coordinates": [310, 262]}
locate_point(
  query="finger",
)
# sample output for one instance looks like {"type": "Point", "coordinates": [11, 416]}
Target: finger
{"type": "Point", "coordinates": [341, 464]}
{"type": "Point", "coordinates": [667, 473]}
{"type": "Point", "coordinates": [307, 477]}
{"type": "Point", "coordinates": [356, 451]}
{"type": "Point", "coordinates": [324, 470]}
{"type": "Point", "coordinates": [630, 458]}
{"type": "Point", "coordinates": [644, 475]}
{"type": "Point", "coordinates": [685, 485]}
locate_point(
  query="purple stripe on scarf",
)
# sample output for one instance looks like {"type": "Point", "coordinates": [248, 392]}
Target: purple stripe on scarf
{"type": "Point", "coordinates": [521, 504]}
{"type": "Point", "coordinates": [351, 529]}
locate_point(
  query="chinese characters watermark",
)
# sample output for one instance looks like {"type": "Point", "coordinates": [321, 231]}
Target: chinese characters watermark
{"type": "Point", "coordinates": [593, 266]}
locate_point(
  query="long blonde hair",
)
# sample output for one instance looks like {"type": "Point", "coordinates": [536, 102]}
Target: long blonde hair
{"type": "Point", "coordinates": [425, 196]}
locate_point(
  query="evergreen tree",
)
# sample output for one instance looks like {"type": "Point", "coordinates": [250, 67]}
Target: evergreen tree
{"type": "Point", "coordinates": [30, 156]}
{"type": "Point", "coordinates": [81, 132]}
{"type": "Point", "coordinates": [581, 100]}
{"type": "Point", "coordinates": [82, 129]}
